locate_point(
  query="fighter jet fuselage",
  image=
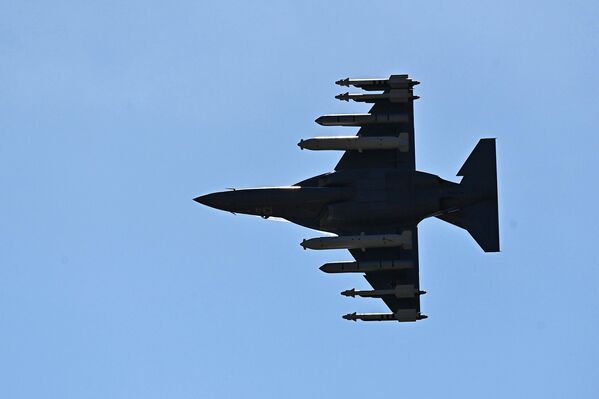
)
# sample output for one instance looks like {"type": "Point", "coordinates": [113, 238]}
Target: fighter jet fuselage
{"type": "Point", "coordinates": [368, 199]}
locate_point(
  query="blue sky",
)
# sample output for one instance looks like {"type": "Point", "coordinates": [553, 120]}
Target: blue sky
{"type": "Point", "coordinates": [115, 284]}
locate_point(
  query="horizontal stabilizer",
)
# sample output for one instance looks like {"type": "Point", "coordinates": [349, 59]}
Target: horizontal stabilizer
{"type": "Point", "coordinates": [481, 221]}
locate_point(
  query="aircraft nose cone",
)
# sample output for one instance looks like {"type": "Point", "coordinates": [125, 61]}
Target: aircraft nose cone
{"type": "Point", "coordinates": [225, 200]}
{"type": "Point", "coordinates": [208, 200]}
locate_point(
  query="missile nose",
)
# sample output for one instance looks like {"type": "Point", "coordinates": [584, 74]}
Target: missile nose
{"type": "Point", "coordinates": [350, 316]}
{"type": "Point", "coordinates": [343, 96]}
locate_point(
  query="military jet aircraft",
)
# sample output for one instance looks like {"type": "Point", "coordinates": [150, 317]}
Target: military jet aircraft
{"type": "Point", "coordinates": [374, 199]}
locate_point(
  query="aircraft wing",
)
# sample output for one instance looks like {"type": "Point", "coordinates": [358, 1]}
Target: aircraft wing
{"type": "Point", "coordinates": [390, 280]}
{"type": "Point", "coordinates": [386, 103]}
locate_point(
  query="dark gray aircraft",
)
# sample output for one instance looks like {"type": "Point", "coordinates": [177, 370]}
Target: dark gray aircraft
{"type": "Point", "coordinates": [375, 198]}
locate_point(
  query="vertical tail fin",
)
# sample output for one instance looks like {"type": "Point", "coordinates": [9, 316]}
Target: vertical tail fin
{"type": "Point", "coordinates": [480, 169]}
{"type": "Point", "coordinates": [481, 219]}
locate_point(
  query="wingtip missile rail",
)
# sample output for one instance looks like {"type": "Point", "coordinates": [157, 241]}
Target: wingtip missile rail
{"type": "Point", "coordinates": [403, 315]}
{"type": "Point", "coordinates": [400, 291]}
{"type": "Point", "coordinates": [374, 84]}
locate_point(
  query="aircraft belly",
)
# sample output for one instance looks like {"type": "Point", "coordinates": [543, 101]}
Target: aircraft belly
{"type": "Point", "coordinates": [355, 214]}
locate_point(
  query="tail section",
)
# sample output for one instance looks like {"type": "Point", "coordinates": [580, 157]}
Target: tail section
{"type": "Point", "coordinates": [481, 218]}
{"type": "Point", "coordinates": [480, 169]}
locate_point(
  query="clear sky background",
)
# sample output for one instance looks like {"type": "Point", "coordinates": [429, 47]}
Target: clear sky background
{"type": "Point", "coordinates": [115, 284]}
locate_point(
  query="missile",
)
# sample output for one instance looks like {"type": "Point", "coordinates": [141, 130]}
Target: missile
{"type": "Point", "coordinates": [363, 242]}
{"type": "Point", "coordinates": [394, 82]}
{"type": "Point", "coordinates": [400, 315]}
{"type": "Point", "coordinates": [394, 96]}
{"type": "Point", "coordinates": [362, 119]}
{"type": "Point", "coordinates": [367, 266]}
{"type": "Point", "coordinates": [357, 143]}
{"type": "Point", "coordinates": [400, 291]}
